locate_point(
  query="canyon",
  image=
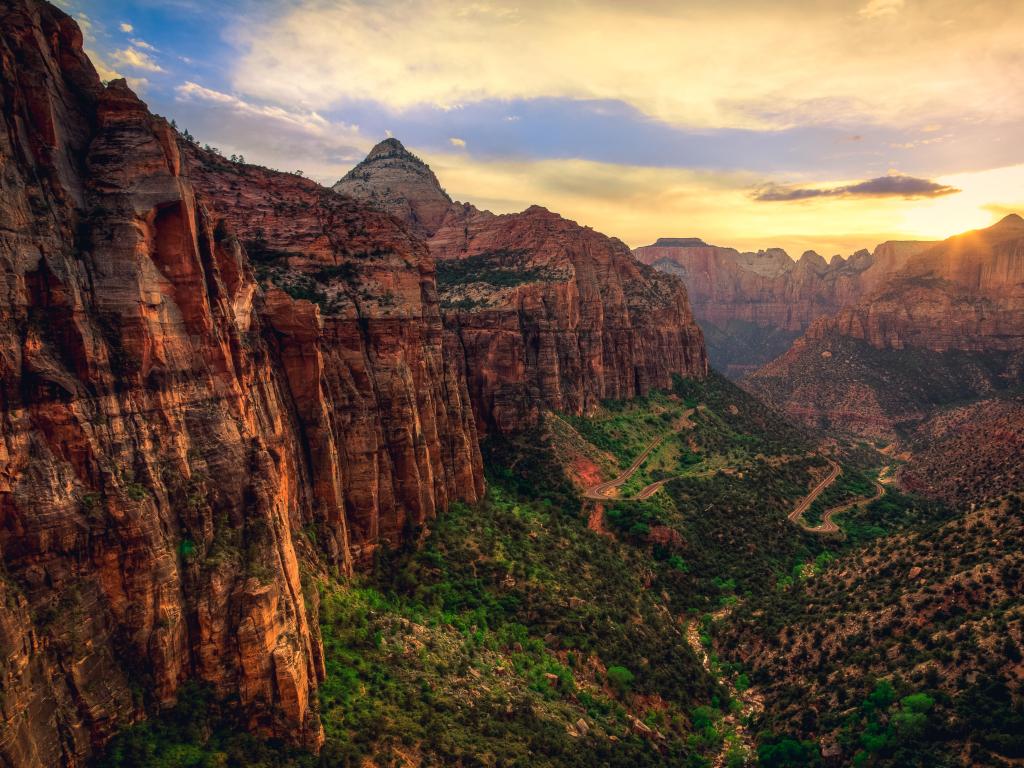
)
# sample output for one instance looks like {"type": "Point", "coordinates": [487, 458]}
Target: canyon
{"type": "Point", "coordinates": [364, 475]}
{"type": "Point", "coordinates": [752, 306]}
{"type": "Point", "coordinates": [948, 327]}
{"type": "Point", "coordinates": [222, 383]}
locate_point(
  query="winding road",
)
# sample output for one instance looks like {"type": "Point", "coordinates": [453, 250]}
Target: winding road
{"type": "Point", "coordinates": [605, 491]}
{"type": "Point", "coordinates": [828, 525]}
{"type": "Point", "coordinates": [797, 514]}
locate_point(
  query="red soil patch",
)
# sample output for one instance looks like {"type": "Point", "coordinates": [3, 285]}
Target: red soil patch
{"type": "Point", "coordinates": [584, 472]}
{"type": "Point", "coordinates": [595, 521]}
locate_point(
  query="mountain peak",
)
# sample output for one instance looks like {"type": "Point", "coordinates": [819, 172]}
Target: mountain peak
{"type": "Point", "coordinates": [390, 147]}
{"type": "Point", "coordinates": [394, 180]}
{"type": "Point", "coordinates": [1012, 220]}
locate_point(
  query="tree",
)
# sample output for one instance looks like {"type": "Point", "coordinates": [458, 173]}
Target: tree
{"type": "Point", "coordinates": [912, 718]}
{"type": "Point", "coordinates": [789, 753]}
{"type": "Point", "coordinates": [620, 678]}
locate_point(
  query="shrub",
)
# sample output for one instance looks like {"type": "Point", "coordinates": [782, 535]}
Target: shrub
{"type": "Point", "coordinates": [620, 678]}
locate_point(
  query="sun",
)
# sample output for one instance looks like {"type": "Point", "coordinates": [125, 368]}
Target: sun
{"type": "Point", "coordinates": [985, 197]}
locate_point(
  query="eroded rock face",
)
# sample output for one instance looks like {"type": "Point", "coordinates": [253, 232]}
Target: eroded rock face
{"type": "Point", "coordinates": [185, 437]}
{"type": "Point", "coordinates": [362, 348]}
{"type": "Point", "coordinates": [396, 181]}
{"type": "Point", "coordinates": [752, 306]}
{"type": "Point", "coordinates": [554, 315]}
{"type": "Point", "coordinates": [948, 326]}
{"type": "Point", "coordinates": [548, 314]}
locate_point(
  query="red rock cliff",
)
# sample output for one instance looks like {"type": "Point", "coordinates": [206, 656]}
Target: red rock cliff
{"type": "Point", "coordinates": [182, 422]}
{"type": "Point", "coordinates": [549, 314]}
{"type": "Point", "coordinates": [966, 293]}
{"type": "Point", "coordinates": [753, 305]}
{"type": "Point", "coordinates": [948, 326]}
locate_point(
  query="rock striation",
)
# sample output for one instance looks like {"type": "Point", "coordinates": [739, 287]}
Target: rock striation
{"type": "Point", "coordinates": [549, 314]}
{"type": "Point", "coordinates": [752, 306]}
{"type": "Point", "coordinates": [217, 381]}
{"type": "Point", "coordinates": [947, 326]}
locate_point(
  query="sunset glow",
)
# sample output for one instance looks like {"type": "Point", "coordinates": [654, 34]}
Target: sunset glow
{"type": "Point", "coordinates": [641, 120]}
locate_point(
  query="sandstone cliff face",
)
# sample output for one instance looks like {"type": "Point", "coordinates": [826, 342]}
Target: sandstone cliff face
{"type": "Point", "coordinates": [966, 293]}
{"type": "Point", "coordinates": [548, 314]}
{"type": "Point", "coordinates": [351, 300]}
{"type": "Point", "coordinates": [184, 435]}
{"type": "Point", "coordinates": [752, 306]}
{"type": "Point", "coordinates": [947, 326]}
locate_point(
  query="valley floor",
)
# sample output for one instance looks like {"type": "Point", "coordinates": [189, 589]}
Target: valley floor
{"type": "Point", "coordinates": [654, 584]}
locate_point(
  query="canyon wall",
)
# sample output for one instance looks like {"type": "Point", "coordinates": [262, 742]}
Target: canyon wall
{"type": "Point", "coordinates": [752, 306]}
{"type": "Point", "coordinates": [549, 314]}
{"type": "Point", "coordinates": [216, 382]}
{"type": "Point", "coordinates": [946, 327]}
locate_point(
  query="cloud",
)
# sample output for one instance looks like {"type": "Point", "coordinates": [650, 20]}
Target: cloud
{"type": "Point", "coordinates": [142, 44]}
{"type": "Point", "coordinates": [135, 59]}
{"type": "Point", "coordinates": [283, 138]}
{"type": "Point", "coordinates": [894, 185]}
{"type": "Point", "coordinates": [456, 142]}
{"type": "Point", "coordinates": [126, 27]}
{"type": "Point", "coordinates": [640, 204]}
{"type": "Point", "coordinates": [740, 66]}
{"type": "Point", "coordinates": [875, 8]}
{"type": "Point", "coordinates": [103, 69]}
{"type": "Point", "coordinates": [310, 122]}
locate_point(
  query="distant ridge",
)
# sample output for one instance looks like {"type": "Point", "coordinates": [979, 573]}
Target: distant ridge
{"type": "Point", "coordinates": [680, 242]}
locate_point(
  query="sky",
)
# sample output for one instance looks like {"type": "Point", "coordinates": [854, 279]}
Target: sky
{"type": "Point", "coordinates": [830, 125]}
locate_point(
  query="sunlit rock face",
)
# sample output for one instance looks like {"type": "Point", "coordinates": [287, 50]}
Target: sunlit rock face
{"type": "Point", "coordinates": [216, 381]}
{"type": "Point", "coordinates": [549, 314]}
{"type": "Point", "coordinates": [396, 181]}
{"type": "Point", "coordinates": [753, 305]}
{"type": "Point", "coordinates": [947, 326]}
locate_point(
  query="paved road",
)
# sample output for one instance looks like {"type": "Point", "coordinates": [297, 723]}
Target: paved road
{"type": "Point", "coordinates": [797, 514]}
{"type": "Point", "coordinates": [605, 491]}
{"type": "Point", "coordinates": [828, 525]}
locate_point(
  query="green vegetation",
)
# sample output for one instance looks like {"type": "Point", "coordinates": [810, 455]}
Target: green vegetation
{"type": "Point", "coordinates": [490, 642]}
{"type": "Point", "coordinates": [787, 753]}
{"type": "Point", "coordinates": [198, 732]}
{"type": "Point", "coordinates": [514, 635]}
{"type": "Point", "coordinates": [851, 485]}
{"type": "Point", "coordinates": [901, 649]}
{"type": "Point", "coordinates": [504, 268]}
{"type": "Point", "coordinates": [625, 428]}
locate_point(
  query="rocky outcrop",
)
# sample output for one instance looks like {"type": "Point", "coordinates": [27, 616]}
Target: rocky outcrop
{"type": "Point", "coordinates": [948, 326]}
{"type": "Point", "coordinates": [216, 380]}
{"type": "Point", "coordinates": [558, 316]}
{"type": "Point", "coordinates": [752, 306]}
{"type": "Point", "coordinates": [964, 294]}
{"type": "Point", "coordinates": [548, 314]}
{"type": "Point", "coordinates": [396, 181]}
